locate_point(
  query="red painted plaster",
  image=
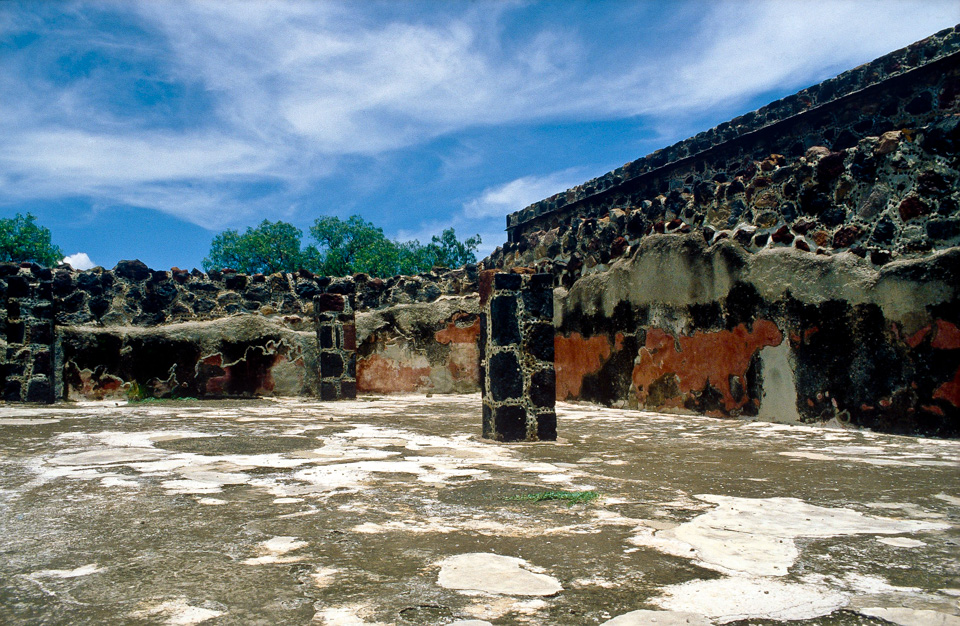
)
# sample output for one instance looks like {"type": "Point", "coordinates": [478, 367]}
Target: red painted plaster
{"type": "Point", "coordinates": [702, 358]}
{"type": "Point", "coordinates": [574, 358]}
{"type": "Point", "coordinates": [379, 375]}
{"type": "Point", "coordinates": [457, 334]}
{"type": "Point", "coordinates": [917, 338]}
{"type": "Point", "coordinates": [949, 391]}
{"type": "Point", "coordinates": [947, 337]}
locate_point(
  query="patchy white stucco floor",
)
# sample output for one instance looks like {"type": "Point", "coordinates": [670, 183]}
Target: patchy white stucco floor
{"type": "Point", "coordinates": [392, 510]}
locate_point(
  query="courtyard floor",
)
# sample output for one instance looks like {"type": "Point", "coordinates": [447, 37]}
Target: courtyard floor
{"type": "Point", "coordinates": [392, 510]}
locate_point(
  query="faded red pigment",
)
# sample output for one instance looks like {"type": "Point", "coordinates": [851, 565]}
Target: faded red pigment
{"type": "Point", "coordinates": [376, 374]}
{"type": "Point", "coordinates": [463, 361]}
{"type": "Point", "coordinates": [701, 359]}
{"type": "Point", "coordinates": [947, 337]}
{"type": "Point", "coordinates": [576, 357]}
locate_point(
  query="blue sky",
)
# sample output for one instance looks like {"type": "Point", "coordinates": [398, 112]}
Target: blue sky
{"type": "Point", "coordinates": [142, 129]}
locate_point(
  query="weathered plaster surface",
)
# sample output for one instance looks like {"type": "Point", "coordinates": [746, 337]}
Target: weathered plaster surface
{"type": "Point", "coordinates": [393, 510]}
{"type": "Point", "coordinates": [780, 334]}
{"type": "Point", "coordinates": [420, 347]}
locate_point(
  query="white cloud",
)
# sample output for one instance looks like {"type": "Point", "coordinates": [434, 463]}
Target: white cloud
{"type": "Point", "coordinates": [188, 175]}
{"type": "Point", "coordinates": [79, 261]}
{"type": "Point", "coordinates": [512, 196]}
{"type": "Point", "coordinates": [131, 158]}
{"type": "Point", "coordinates": [751, 47]}
{"type": "Point", "coordinates": [294, 87]}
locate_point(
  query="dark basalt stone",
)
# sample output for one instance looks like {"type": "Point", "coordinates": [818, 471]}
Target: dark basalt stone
{"type": "Point", "coordinates": [507, 281]}
{"type": "Point", "coordinates": [510, 423]}
{"type": "Point", "coordinates": [506, 378]}
{"type": "Point", "coordinates": [543, 388]}
{"type": "Point", "coordinates": [134, 270]}
{"type": "Point", "coordinates": [331, 365]}
{"type": "Point", "coordinates": [547, 426]}
{"type": "Point", "coordinates": [504, 326]}
{"type": "Point", "coordinates": [539, 341]}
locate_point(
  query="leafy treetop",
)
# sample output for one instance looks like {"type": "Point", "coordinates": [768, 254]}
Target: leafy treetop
{"type": "Point", "coordinates": [341, 247]}
{"type": "Point", "coordinates": [22, 239]}
{"type": "Point", "coordinates": [268, 248]}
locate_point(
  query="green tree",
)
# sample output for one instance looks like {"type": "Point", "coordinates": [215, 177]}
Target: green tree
{"type": "Point", "coordinates": [268, 248]}
{"type": "Point", "coordinates": [22, 239]}
{"type": "Point", "coordinates": [342, 247]}
{"type": "Point", "coordinates": [354, 245]}
{"type": "Point", "coordinates": [448, 251]}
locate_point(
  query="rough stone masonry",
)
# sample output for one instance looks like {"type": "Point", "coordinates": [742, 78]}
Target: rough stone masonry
{"type": "Point", "coordinates": [337, 341]}
{"type": "Point", "coordinates": [799, 263]}
{"type": "Point", "coordinates": [516, 357]}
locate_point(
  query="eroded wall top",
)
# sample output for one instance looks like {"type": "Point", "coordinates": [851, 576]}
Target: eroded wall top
{"type": "Point", "coordinates": [866, 160]}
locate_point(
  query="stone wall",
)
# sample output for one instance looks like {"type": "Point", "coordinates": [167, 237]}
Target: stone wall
{"type": "Point", "coordinates": [782, 335]}
{"type": "Point", "coordinates": [30, 349]}
{"type": "Point", "coordinates": [799, 263]}
{"type": "Point", "coordinates": [420, 347]}
{"type": "Point", "coordinates": [809, 157]}
{"type": "Point", "coordinates": [237, 356]}
{"type": "Point", "coordinates": [516, 357]}
{"type": "Point", "coordinates": [134, 295]}
{"type": "Point", "coordinates": [136, 332]}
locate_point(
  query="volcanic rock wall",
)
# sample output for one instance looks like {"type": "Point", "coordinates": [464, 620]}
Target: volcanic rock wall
{"type": "Point", "coordinates": [799, 263]}
{"type": "Point", "coordinates": [134, 332]}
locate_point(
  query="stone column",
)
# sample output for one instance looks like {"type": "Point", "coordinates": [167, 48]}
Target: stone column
{"type": "Point", "coordinates": [337, 343]}
{"type": "Point", "coordinates": [517, 377]}
{"type": "Point", "coordinates": [30, 368]}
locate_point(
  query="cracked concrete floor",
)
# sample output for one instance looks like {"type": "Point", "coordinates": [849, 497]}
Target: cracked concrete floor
{"type": "Point", "coordinates": [392, 510]}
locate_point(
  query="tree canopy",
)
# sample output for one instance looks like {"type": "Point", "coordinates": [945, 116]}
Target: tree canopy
{"type": "Point", "coordinates": [268, 248]}
{"type": "Point", "coordinates": [22, 239]}
{"type": "Point", "coordinates": [340, 247]}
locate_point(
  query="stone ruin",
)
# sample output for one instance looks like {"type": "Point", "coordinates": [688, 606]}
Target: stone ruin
{"type": "Point", "coordinates": [799, 263]}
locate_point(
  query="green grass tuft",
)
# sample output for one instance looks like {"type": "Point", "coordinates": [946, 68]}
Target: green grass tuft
{"type": "Point", "coordinates": [570, 497]}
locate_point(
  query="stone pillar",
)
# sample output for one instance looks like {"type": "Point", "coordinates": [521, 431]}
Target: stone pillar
{"type": "Point", "coordinates": [337, 343]}
{"type": "Point", "coordinates": [517, 377]}
{"type": "Point", "coordinates": [30, 367]}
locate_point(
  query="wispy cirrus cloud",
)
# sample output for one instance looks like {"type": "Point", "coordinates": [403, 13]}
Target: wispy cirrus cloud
{"type": "Point", "coordinates": [499, 200]}
{"type": "Point", "coordinates": [188, 107]}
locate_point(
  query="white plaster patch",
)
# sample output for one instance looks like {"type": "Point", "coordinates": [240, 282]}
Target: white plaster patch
{"type": "Point", "coordinates": [596, 581]}
{"type": "Point", "coordinates": [912, 617]}
{"type": "Point", "coordinates": [778, 400]}
{"type": "Point", "coordinates": [107, 456]}
{"type": "Point", "coordinates": [493, 573]}
{"type": "Point", "coordinates": [497, 607]}
{"type": "Point", "coordinates": [83, 570]}
{"type": "Point", "coordinates": [178, 612]}
{"type": "Point", "coordinates": [901, 542]}
{"type": "Point", "coordinates": [211, 501]}
{"type": "Point", "coordinates": [756, 536]}
{"type": "Point", "coordinates": [352, 476]}
{"type": "Point", "coordinates": [861, 584]}
{"type": "Point", "coordinates": [344, 616]}
{"type": "Point", "coordinates": [660, 618]}
{"type": "Point", "coordinates": [186, 486]}
{"type": "Point", "coordinates": [116, 481]}
{"type": "Point", "coordinates": [324, 576]}
{"type": "Point", "coordinates": [272, 551]}
{"type": "Point", "coordinates": [954, 500]}
{"type": "Point", "coordinates": [731, 599]}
